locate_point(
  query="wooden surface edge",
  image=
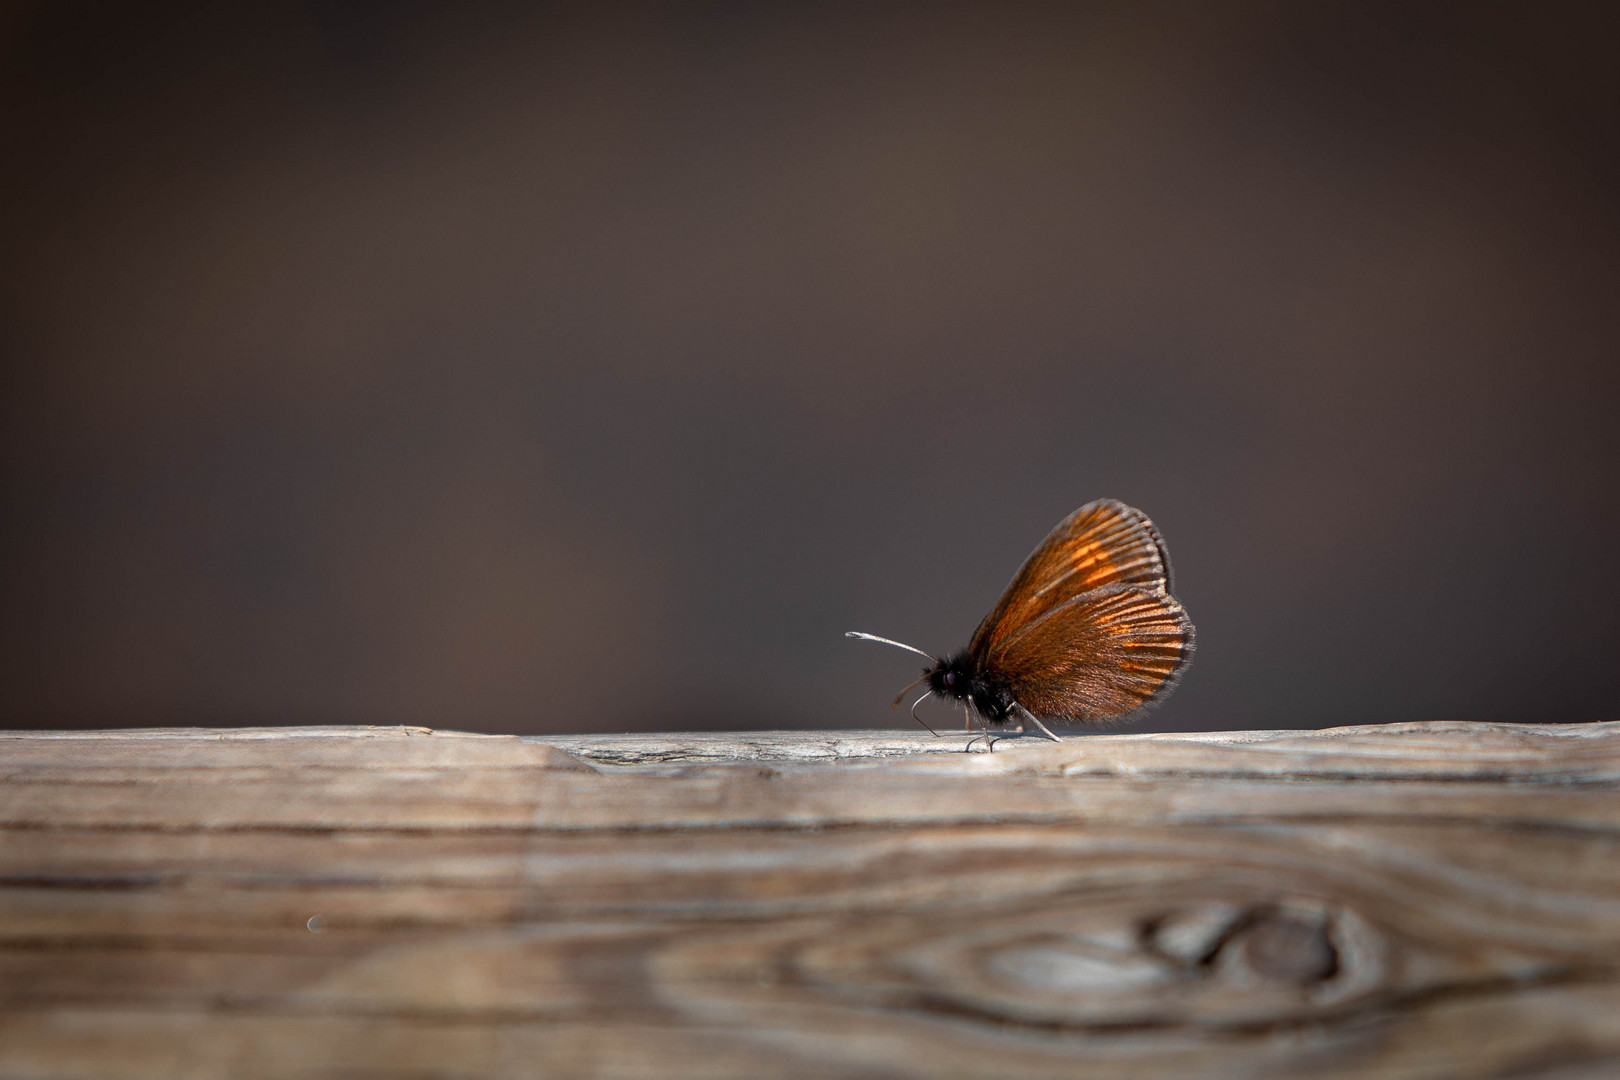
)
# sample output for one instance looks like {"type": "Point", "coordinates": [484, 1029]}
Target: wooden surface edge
{"type": "Point", "coordinates": [831, 746]}
{"type": "Point", "coordinates": [818, 744]}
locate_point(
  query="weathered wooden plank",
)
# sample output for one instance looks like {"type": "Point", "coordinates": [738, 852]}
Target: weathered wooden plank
{"type": "Point", "coordinates": [1135, 906]}
{"type": "Point", "coordinates": [464, 801]}
{"type": "Point", "coordinates": [155, 1045]}
{"type": "Point", "coordinates": [1138, 778]}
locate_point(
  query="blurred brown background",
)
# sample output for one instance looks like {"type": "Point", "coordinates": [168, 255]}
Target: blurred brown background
{"type": "Point", "coordinates": [543, 369]}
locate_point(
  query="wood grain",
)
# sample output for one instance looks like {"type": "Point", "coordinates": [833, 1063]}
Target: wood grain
{"type": "Point", "coordinates": [1419, 900]}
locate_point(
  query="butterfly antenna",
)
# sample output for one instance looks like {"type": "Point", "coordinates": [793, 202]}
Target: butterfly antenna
{"type": "Point", "coordinates": [887, 641]}
{"type": "Point", "coordinates": [917, 718]}
{"type": "Point", "coordinates": [900, 696]}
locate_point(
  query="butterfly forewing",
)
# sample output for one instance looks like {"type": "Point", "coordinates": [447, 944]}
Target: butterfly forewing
{"type": "Point", "coordinates": [1086, 632]}
{"type": "Point", "coordinates": [1104, 543]}
{"type": "Point", "coordinates": [1097, 656]}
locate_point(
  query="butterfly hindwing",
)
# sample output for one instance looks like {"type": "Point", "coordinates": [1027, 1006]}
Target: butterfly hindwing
{"type": "Point", "coordinates": [1097, 656]}
{"type": "Point", "coordinates": [1102, 544]}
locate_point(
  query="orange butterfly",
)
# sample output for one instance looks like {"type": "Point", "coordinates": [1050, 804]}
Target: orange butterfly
{"type": "Point", "coordinates": [1086, 632]}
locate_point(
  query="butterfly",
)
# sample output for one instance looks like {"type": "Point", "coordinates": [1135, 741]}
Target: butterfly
{"type": "Point", "coordinates": [1087, 631]}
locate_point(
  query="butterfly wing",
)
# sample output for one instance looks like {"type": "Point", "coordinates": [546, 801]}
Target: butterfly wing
{"type": "Point", "coordinates": [1097, 656]}
{"type": "Point", "coordinates": [1103, 543]}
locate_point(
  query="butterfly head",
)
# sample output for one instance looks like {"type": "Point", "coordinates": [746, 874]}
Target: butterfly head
{"type": "Point", "coordinates": [959, 678]}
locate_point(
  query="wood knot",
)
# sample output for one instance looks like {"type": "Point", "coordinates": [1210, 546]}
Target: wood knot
{"type": "Point", "coordinates": [1286, 947]}
{"type": "Point", "coordinates": [1293, 945]}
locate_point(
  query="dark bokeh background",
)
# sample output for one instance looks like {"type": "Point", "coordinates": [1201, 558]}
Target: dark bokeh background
{"type": "Point", "coordinates": [550, 370]}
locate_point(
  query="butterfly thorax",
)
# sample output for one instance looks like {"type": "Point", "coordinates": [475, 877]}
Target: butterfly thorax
{"type": "Point", "coordinates": [961, 679]}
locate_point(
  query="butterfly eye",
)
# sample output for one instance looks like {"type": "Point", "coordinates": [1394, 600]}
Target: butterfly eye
{"type": "Point", "coordinates": [950, 678]}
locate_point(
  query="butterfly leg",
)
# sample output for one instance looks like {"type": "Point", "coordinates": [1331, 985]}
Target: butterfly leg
{"type": "Point", "coordinates": [984, 732]}
{"type": "Point", "coordinates": [917, 718]}
{"type": "Point", "coordinates": [1031, 717]}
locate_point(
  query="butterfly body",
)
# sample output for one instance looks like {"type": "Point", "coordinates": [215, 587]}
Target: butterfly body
{"type": "Point", "coordinates": [1087, 632]}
